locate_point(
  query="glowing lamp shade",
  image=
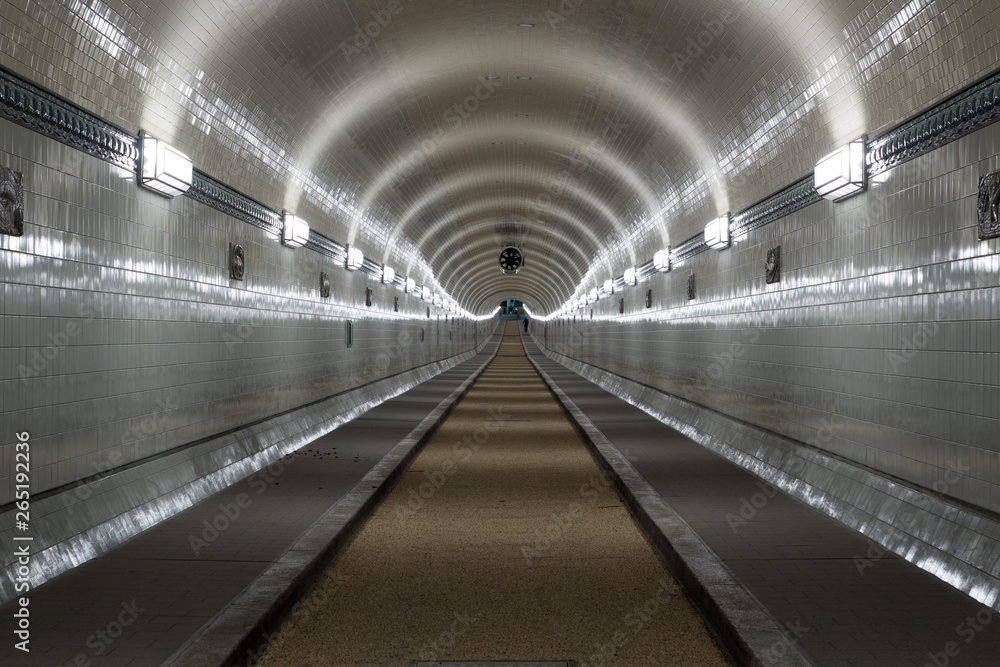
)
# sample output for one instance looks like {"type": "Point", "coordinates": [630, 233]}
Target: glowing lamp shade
{"type": "Point", "coordinates": [609, 286]}
{"type": "Point", "coordinates": [717, 233]}
{"type": "Point", "coordinates": [295, 232]}
{"type": "Point", "coordinates": [841, 174]}
{"type": "Point", "coordinates": [661, 260]}
{"type": "Point", "coordinates": [388, 274]}
{"type": "Point", "coordinates": [164, 169]}
{"type": "Point", "coordinates": [425, 293]}
{"type": "Point", "coordinates": [593, 295]}
{"type": "Point", "coordinates": [411, 285]}
{"type": "Point", "coordinates": [629, 276]}
{"type": "Point", "coordinates": [355, 259]}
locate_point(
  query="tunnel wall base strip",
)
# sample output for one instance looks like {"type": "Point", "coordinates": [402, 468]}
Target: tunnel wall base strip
{"type": "Point", "coordinates": [740, 622]}
{"type": "Point", "coordinates": [241, 632]}
{"type": "Point", "coordinates": [953, 541]}
{"type": "Point", "coordinates": [84, 521]}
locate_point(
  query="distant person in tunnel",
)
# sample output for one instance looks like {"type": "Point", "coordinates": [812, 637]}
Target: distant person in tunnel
{"type": "Point", "coordinates": [525, 325]}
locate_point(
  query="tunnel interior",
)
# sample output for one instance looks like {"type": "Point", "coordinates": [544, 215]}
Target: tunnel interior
{"type": "Point", "coordinates": [232, 229]}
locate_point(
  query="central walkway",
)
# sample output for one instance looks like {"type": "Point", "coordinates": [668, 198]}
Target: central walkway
{"type": "Point", "coordinates": [503, 541]}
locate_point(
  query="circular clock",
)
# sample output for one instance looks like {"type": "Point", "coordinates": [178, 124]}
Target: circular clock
{"type": "Point", "coordinates": [511, 260]}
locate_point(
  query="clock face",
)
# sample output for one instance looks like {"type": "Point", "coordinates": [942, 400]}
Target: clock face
{"type": "Point", "coordinates": [511, 260]}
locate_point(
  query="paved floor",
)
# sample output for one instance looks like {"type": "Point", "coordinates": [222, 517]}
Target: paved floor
{"type": "Point", "coordinates": [850, 603]}
{"type": "Point", "coordinates": [502, 541]}
{"type": "Point", "coordinates": [140, 602]}
{"type": "Point", "coordinates": [843, 599]}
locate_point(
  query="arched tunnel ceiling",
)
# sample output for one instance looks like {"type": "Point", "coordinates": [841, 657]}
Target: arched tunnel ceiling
{"type": "Point", "coordinates": [431, 132]}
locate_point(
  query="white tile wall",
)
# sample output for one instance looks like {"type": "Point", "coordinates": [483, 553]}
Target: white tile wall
{"type": "Point", "coordinates": [880, 343]}
{"type": "Point", "coordinates": [124, 337]}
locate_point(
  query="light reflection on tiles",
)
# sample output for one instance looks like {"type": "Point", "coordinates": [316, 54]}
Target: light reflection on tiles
{"type": "Point", "coordinates": [114, 508]}
{"type": "Point", "coordinates": [935, 541]}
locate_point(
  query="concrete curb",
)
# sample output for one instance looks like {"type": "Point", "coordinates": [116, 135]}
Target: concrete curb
{"type": "Point", "coordinates": [240, 632]}
{"type": "Point", "coordinates": [742, 625]}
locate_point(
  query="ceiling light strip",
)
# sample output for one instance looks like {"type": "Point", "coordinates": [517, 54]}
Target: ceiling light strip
{"type": "Point", "coordinates": [787, 201]}
{"type": "Point", "coordinates": [211, 192]}
{"type": "Point", "coordinates": [972, 109]}
{"type": "Point", "coordinates": [325, 246]}
{"type": "Point", "coordinates": [28, 105]}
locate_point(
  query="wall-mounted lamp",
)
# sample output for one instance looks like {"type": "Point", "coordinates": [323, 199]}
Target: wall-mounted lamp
{"type": "Point", "coordinates": [609, 286]}
{"type": "Point", "coordinates": [355, 258]}
{"type": "Point", "coordinates": [388, 274]}
{"type": "Point", "coordinates": [593, 294]}
{"type": "Point", "coordinates": [629, 276]}
{"type": "Point", "coordinates": [163, 169]}
{"type": "Point", "coordinates": [661, 260]}
{"type": "Point", "coordinates": [295, 231]}
{"type": "Point", "coordinates": [841, 174]}
{"type": "Point", "coordinates": [411, 285]}
{"type": "Point", "coordinates": [717, 233]}
{"type": "Point", "coordinates": [425, 293]}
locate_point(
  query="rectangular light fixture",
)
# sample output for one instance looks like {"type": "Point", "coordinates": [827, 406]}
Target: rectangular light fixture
{"type": "Point", "coordinates": [388, 274]}
{"type": "Point", "coordinates": [295, 232]}
{"type": "Point", "coordinates": [661, 260]}
{"type": "Point", "coordinates": [629, 276]}
{"type": "Point", "coordinates": [593, 294]}
{"type": "Point", "coordinates": [411, 285]}
{"type": "Point", "coordinates": [717, 233]}
{"type": "Point", "coordinates": [841, 174]}
{"type": "Point", "coordinates": [609, 286]}
{"type": "Point", "coordinates": [425, 293]}
{"type": "Point", "coordinates": [355, 258]}
{"type": "Point", "coordinates": [162, 168]}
